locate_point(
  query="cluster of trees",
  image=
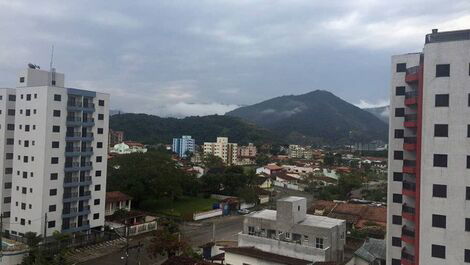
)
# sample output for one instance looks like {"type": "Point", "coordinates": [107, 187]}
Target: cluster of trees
{"type": "Point", "coordinates": [42, 256]}
{"type": "Point", "coordinates": [341, 191]}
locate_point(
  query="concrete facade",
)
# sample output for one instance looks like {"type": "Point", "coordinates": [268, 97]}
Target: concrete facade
{"type": "Point", "coordinates": [435, 222]}
{"type": "Point", "coordinates": [59, 156]}
{"type": "Point", "coordinates": [228, 152]}
{"type": "Point", "coordinates": [291, 232]}
{"type": "Point", "coordinates": [183, 145]}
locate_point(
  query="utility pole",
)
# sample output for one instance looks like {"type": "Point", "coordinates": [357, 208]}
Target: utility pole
{"type": "Point", "coordinates": [213, 232]}
{"type": "Point", "coordinates": [127, 243]}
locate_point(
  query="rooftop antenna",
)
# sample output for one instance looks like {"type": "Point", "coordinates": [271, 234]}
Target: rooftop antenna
{"type": "Point", "coordinates": [52, 70]}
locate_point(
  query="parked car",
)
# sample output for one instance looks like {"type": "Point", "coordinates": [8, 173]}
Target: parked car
{"type": "Point", "coordinates": [243, 211]}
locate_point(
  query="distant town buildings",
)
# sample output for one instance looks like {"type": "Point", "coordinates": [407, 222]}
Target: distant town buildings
{"type": "Point", "coordinates": [289, 234]}
{"type": "Point", "coordinates": [247, 154]}
{"type": "Point", "coordinates": [54, 155]}
{"type": "Point", "coordinates": [429, 153]}
{"type": "Point", "coordinates": [128, 147]}
{"type": "Point", "coordinates": [228, 152]}
{"type": "Point", "coordinates": [183, 146]}
{"type": "Point", "coordinates": [300, 152]}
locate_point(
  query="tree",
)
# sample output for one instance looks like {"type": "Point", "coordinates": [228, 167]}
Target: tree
{"type": "Point", "coordinates": [262, 159]}
{"type": "Point", "coordinates": [35, 256]}
{"type": "Point", "coordinates": [167, 242]}
{"type": "Point", "coordinates": [212, 161]}
{"type": "Point", "coordinates": [248, 195]}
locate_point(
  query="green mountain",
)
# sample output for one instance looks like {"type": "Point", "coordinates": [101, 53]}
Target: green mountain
{"type": "Point", "coordinates": [152, 129]}
{"type": "Point", "coordinates": [314, 118]}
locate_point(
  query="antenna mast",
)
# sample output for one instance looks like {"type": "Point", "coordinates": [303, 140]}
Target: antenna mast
{"type": "Point", "coordinates": [52, 70]}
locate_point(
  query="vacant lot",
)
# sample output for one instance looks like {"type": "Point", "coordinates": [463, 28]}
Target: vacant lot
{"type": "Point", "coordinates": [183, 207]}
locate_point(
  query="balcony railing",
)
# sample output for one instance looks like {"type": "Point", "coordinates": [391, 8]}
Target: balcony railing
{"type": "Point", "coordinates": [86, 164]}
{"type": "Point", "coordinates": [412, 70]}
{"type": "Point", "coordinates": [409, 140]}
{"type": "Point", "coordinates": [87, 149]}
{"type": "Point", "coordinates": [69, 195]}
{"type": "Point", "coordinates": [84, 208]}
{"type": "Point", "coordinates": [407, 209]}
{"type": "Point", "coordinates": [411, 94]}
{"type": "Point", "coordinates": [73, 103]}
{"type": "Point", "coordinates": [411, 117]}
{"type": "Point", "coordinates": [85, 193]}
{"type": "Point", "coordinates": [73, 134]}
{"type": "Point", "coordinates": [85, 179]}
{"type": "Point", "coordinates": [74, 119]}
{"type": "Point", "coordinates": [72, 164]}
{"type": "Point", "coordinates": [71, 179]}
{"type": "Point", "coordinates": [409, 185]}
{"type": "Point", "coordinates": [72, 149]}
{"type": "Point", "coordinates": [88, 105]}
{"type": "Point", "coordinates": [70, 210]}
{"type": "Point", "coordinates": [407, 232]}
{"type": "Point", "coordinates": [407, 256]}
{"type": "Point", "coordinates": [409, 163]}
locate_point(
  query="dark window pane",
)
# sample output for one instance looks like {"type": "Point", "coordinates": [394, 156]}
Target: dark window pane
{"type": "Point", "coordinates": [397, 198]}
{"type": "Point", "coordinates": [399, 112]}
{"type": "Point", "coordinates": [440, 160]}
{"type": "Point", "coordinates": [467, 256]}
{"type": "Point", "coordinates": [397, 176]}
{"type": "Point", "coordinates": [467, 224]}
{"type": "Point", "coordinates": [439, 221]}
{"type": "Point", "coordinates": [438, 251]}
{"type": "Point", "coordinates": [57, 97]}
{"type": "Point", "coordinates": [400, 91]}
{"type": "Point", "coordinates": [401, 67]}
{"type": "Point", "coordinates": [396, 241]}
{"type": "Point", "coordinates": [467, 193]}
{"type": "Point", "coordinates": [468, 161]}
{"type": "Point", "coordinates": [399, 134]}
{"type": "Point", "coordinates": [396, 262]}
{"type": "Point", "coordinates": [398, 155]}
{"type": "Point", "coordinates": [396, 220]}
{"type": "Point", "coordinates": [441, 130]}
{"type": "Point", "coordinates": [442, 70]}
{"type": "Point", "coordinates": [439, 191]}
{"type": "Point", "coordinates": [442, 100]}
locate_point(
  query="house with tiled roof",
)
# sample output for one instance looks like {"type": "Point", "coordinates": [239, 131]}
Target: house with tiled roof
{"type": "Point", "coordinates": [116, 200]}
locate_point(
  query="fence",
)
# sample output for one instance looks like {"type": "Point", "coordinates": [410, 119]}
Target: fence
{"type": "Point", "coordinates": [136, 229]}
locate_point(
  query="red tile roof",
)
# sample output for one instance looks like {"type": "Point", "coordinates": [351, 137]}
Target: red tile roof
{"type": "Point", "coordinates": [117, 196]}
{"type": "Point", "coordinates": [132, 144]}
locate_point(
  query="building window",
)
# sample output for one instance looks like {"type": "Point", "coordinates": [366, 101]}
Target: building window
{"type": "Point", "coordinates": [7, 200]}
{"type": "Point", "coordinates": [438, 221]}
{"type": "Point", "coordinates": [396, 241]}
{"type": "Point", "coordinates": [56, 128]}
{"type": "Point", "coordinates": [98, 173]}
{"type": "Point", "coordinates": [25, 174]}
{"type": "Point", "coordinates": [96, 216]}
{"type": "Point", "coordinates": [99, 159]}
{"type": "Point", "coordinates": [23, 221]}
{"type": "Point", "coordinates": [468, 130]}
{"type": "Point", "coordinates": [438, 251]}
{"type": "Point", "coordinates": [54, 176]}
{"type": "Point", "coordinates": [99, 145]}
{"type": "Point", "coordinates": [397, 176]}
{"type": "Point", "coordinates": [439, 191]}
{"type": "Point", "coordinates": [52, 192]}
{"type": "Point", "coordinates": [397, 198]}
{"type": "Point", "coordinates": [399, 112]}
{"type": "Point", "coordinates": [319, 242]}
{"type": "Point", "coordinates": [11, 112]}
{"type": "Point", "coordinates": [55, 144]}
{"type": "Point", "coordinates": [8, 185]}
{"type": "Point", "coordinates": [24, 190]}
{"type": "Point", "coordinates": [10, 141]}
{"type": "Point", "coordinates": [401, 67]}
{"type": "Point", "coordinates": [100, 130]}
{"type": "Point", "coordinates": [23, 206]}
{"type": "Point", "coordinates": [9, 156]}
{"type": "Point", "coordinates": [441, 130]}
{"type": "Point", "coordinates": [100, 117]}
{"type": "Point", "coordinates": [28, 112]}
{"type": "Point", "coordinates": [10, 127]}
{"type": "Point", "coordinates": [26, 127]}
{"type": "Point", "coordinates": [440, 160]}
{"type": "Point", "coordinates": [97, 187]}
{"type": "Point", "coordinates": [468, 161]}
{"type": "Point", "coordinates": [251, 230]}
{"type": "Point", "coordinates": [399, 134]}
{"type": "Point", "coordinates": [398, 155]}
{"type": "Point", "coordinates": [442, 100]}
{"type": "Point", "coordinates": [396, 220]}
{"type": "Point", "coordinates": [54, 160]}
{"type": "Point", "coordinates": [52, 208]}
{"type": "Point", "coordinates": [56, 113]}
{"type": "Point", "coordinates": [22, 79]}
{"type": "Point", "coordinates": [11, 97]}
{"type": "Point", "coordinates": [442, 70]}
{"type": "Point", "coordinates": [26, 143]}
{"type": "Point", "coordinates": [101, 102]}
{"type": "Point", "coordinates": [57, 97]}
{"type": "Point", "coordinates": [467, 256]}
{"type": "Point", "coordinates": [396, 262]}
{"type": "Point", "coordinates": [96, 202]}
{"type": "Point", "coordinates": [467, 193]}
{"type": "Point", "coordinates": [400, 91]}
{"type": "Point", "coordinates": [467, 224]}
{"type": "Point", "coordinates": [50, 224]}
{"type": "Point", "coordinates": [28, 97]}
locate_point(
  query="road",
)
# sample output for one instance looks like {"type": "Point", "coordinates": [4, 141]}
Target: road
{"type": "Point", "coordinates": [196, 233]}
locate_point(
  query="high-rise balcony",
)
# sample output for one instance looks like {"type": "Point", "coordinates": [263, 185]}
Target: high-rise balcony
{"type": "Point", "coordinates": [409, 188]}
{"type": "Point", "coordinates": [407, 258]}
{"type": "Point", "coordinates": [74, 121]}
{"type": "Point", "coordinates": [407, 235]}
{"type": "Point", "coordinates": [85, 195]}
{"type": "Point", "coordinates": [408, 212]}
{"type": "Point", "coordinates": [70, 196]}
{"type": "Point", "coordinates": [72, 151]}
{"type": "Point", "coordinates": [412, 75]}
{"type": "Point", "coordinates": [77, 105]}
{"type": "Point", "coordinates": [409, 143]}
{"type": "Point", "coordinates": [88, 122]}
{"type": "Point", "coordinates": [411, 121]}
{"type": "Point", "coordinates": [411, 98]}
{"type": "Point", "coordinates": [409, 166]}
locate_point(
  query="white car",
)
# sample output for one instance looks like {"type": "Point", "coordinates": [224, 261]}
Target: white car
{"type": "Point", "coordinates": [243, 211]}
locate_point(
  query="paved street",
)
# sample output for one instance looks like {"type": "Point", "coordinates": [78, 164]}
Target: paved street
{"type": "Point", "coordinates": [197, 233]}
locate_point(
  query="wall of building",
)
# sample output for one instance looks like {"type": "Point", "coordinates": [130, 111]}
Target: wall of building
{"type": "Point", "coordinates": [235, 259]}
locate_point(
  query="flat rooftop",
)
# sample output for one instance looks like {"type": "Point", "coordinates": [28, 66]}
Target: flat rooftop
{"type": "Point", "coordinates": [446, 36]}
{"type": "Point", "coordinates": [291, 199]}
{"type": "Point", "coordinates": [310, 220]}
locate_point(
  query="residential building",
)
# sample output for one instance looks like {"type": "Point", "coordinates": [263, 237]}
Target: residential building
{"type": "Point", "coordinates": [247, 151]}
{"type": "Point", "coordinates": [116, 200]}
{"type": "Point", "coordinates": [115, 137]}
{"type": "Point", "coordinates": [184, 145]}
{"type": "Point", "coordinates": [128, 147]}
{"type": "Point", "coordinates": [228, 152]}
{"type": "Point", "coordinates": [289, 231]}
{"type": "Point", "coordinates": [269, 169]}
{"type": "Point", "coordinates": [254, 256]}
{"type": "Point", "coordinates": [429, 150]}
{"type": "Point", "coordinates": [54, 142]}
{"type": "Point", "coordinates": [372, 252]}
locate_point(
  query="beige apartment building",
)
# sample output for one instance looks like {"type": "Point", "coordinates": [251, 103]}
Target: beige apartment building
{"type": "Point", "coordinates": [228, 152]}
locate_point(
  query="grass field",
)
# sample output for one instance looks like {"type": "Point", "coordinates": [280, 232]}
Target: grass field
{"type": "Point", "coordinates": [184, 206]}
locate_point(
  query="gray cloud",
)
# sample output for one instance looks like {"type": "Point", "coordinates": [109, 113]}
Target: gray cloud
{"type": "Point", "coordinates": [178, 58]}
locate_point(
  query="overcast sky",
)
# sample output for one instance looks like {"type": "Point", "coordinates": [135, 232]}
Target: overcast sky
{"type": "Point", "coordinates": [197, 57]}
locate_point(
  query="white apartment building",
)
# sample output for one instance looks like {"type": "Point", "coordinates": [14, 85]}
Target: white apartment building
{"type": "Point", "coordinates": [54, 155]}
{"type": "Point", "coordinates": [429, 153]}
{"type": "Point", "coordinates": [228, 152]}
{"type": "Point", "coordinates": [290, 232]}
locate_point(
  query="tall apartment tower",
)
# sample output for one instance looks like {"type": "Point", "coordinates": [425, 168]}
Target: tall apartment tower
{"type": "Point", "coordinates": [183, 145]}
{"type": "Point", "coordinates": [228, 152]}
{"type": "Point", "coordinates": [54, 155]}
{"type": "Point", "coordinates": [429, 150]}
